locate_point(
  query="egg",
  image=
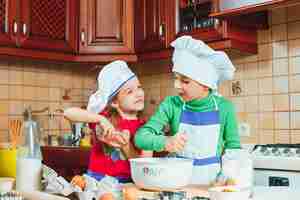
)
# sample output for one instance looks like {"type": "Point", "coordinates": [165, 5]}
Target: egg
{"type": "Point", "coordinates": [79, 181]}
{"type": "Point", "coordinates": [107, 196]}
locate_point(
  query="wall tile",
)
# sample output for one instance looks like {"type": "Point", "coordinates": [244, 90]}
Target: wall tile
{"type": "Point", "coordinates": [15, 77]}
{"type": "Point", "coordinates": [4, 92]}
{"type": "Point", "coordinates": [251, 104]}
{"type": "Point", "coordinates": [4, 107]}
{"type": "Point", "coordinates": [252, 119]}
{"type": "Point", "coordinates": [282, 120]}
{"type": "Point", "coordinates": [295, 119]}
{"type": "Point", "coordinates": [294, 83]}
{"type": "Point", "coordinates": [295, 138]}
{"type": "Point", "coordinates": [16, 107]}
{"type": "Point", "coordinates": [266, 86]}
{"type": "Point", "coordinates": [16, 92]}
{"type": "Point", "coordinates": [3, 122]}
{"type": "Point", "coordinates": [279, 32]}
{"type": "Point", "coordinates": [4, 79]}
{"type": "Point", "coordinates": [294, 30]}
{"type": "Point", "coordinates": [239, 103]}
{"type": "Point", "coordinates": [281, 102]}
{"type": "Point", "coordinates": [294, 65]}
{"type": "Point", "coordinates": [30, 78]}
{"type": "Point", "coordinates": [251, 70]}
{"type": "Point", "coordinates": [264, 36]}
{"type": "Point", "coordinates": [293, 13]}
{"type": "Point", "coordinates": [42, 94]}
{"type": "Point", "coordinates": [251, 87]}
{"type": "Point", "coordinates": [266, 137]}
{"type": "Point", "coordinates": [282, 137]}
{"type": "Point", "coordinates": [55, 94]}
{"type": "Point", "coordinates": [280, 67]}
{"type": "Point", "coordinates": [266, 120]}
{"type": "Point", "coordinates": [295, 102]}
{"type": "Point", "coordinates": [29, 93]}
{"type": "Point", "coordinates": [265, 51]}
{"type": "Point", "coordinates": [279, 16]}
{"type": "Point", "coordinates": [281, 84]}
{"type": "Point", "coordinates": [294, 47]}
{"type": "Point", "coordinates": [55, 80]}
{"type": "Point", "coordinates": [266, 103]}
{"type": "Point", "coordinates": [280, 49]}
{"type": "Point", "coordinates": [42, 79]}
{"type": "Point", "coordinates": [265, 68]}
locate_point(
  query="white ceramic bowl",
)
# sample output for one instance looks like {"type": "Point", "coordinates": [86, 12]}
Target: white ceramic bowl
{"type": "Point", "coordinates": [161, 173]}
{"type": "Point", "coordinates": [6, 184]}
{"type": "Point", "coordinates": [228, 193]}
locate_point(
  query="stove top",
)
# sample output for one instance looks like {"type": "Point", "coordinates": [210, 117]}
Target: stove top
{"type": "Point", "coordinates": [285, 157]}
{"type": "Point", "coordinates": [278, 150]}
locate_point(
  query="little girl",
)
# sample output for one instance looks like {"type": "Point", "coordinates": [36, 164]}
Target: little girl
{"type": "Point", "coordinates": [119, 98]}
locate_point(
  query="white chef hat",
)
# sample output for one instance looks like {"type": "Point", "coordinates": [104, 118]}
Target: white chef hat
{"type": "Point", "coordinates": [194, 59]}
{"type": "Point", "coordinates": [110, 79]}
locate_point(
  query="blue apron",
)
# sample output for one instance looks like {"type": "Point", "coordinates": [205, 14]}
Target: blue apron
{"type": "Point", "coordinates": [202, 130]}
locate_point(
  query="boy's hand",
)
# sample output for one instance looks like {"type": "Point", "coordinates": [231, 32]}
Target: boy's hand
{"type": "Point", "coordinates": [175, 143]}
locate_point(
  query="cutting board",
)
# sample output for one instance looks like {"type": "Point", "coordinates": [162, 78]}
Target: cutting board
{"type": "Point", "coordinates": [132, 192]}
{"type": "Point", "coordinates": [37, 195]}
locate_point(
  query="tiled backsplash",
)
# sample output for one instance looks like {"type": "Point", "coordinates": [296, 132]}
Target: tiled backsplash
{"type": "Point", "coordinates": [268, 98]}
{"type": "Point", "coordinates": [42, 85]}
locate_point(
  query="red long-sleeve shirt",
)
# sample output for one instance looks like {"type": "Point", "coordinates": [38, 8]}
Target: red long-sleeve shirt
{"type": "Point", "coordinates": [104, 163]}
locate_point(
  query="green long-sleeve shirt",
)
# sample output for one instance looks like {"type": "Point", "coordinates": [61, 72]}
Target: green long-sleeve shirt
{"type": "Point", "coordinates": [151, 135]}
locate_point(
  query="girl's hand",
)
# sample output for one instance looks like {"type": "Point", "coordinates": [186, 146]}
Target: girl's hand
{"type": "Point", "coordinates": [116, 139]}
{"type": "Point", "coordinates": [175, 143]}
{"type": "Point", "coordinates": [107, 127]}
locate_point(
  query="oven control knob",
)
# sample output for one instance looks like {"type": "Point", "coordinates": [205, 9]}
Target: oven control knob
{"type": "Point", "coordinates": [275, 151]}
{"type": "Point", "coordinates": [287, 152]}
{"type": "Point", "coordinates": [298, 152]}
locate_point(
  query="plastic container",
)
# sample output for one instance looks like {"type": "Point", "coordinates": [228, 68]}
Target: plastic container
{"type": "Point", "coordinates": [237, 165]}
{"type": "Point", "coordinates": [8, 159]}
{"type": "Point", "coordinates": [6, 184]}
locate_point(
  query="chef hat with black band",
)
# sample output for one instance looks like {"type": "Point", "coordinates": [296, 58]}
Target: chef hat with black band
{"type": "Point", "coordinates": [110, 80]}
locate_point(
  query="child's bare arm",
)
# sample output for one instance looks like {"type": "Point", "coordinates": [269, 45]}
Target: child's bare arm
{"type": "Point", "coordinates": [81, 115]}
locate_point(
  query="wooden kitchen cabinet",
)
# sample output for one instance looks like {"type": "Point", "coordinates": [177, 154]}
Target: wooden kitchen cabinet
{"type": "Point", "coordinates": [8, 22]}
{"type": "Point", "coordinates": [106, 27]}
{"type": "Point", "coordinates": [66, 161]}
{"type": "Point", "coordinates": [48, 25]}
{"type": "Point", "coordinates": [150, 25]}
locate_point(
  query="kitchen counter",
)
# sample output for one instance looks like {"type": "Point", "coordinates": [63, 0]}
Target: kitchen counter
{"type": "Point", "coordinates": [275, 193]}
{"type": "Point", "coordinates": [260, 193]}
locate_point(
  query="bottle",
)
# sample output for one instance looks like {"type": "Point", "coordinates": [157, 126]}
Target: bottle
{"type": "Point", "coordinates": [29, 158]}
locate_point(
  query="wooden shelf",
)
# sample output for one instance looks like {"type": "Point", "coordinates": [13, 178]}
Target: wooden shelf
{"type": "Point", "coordinates": [255, 8]}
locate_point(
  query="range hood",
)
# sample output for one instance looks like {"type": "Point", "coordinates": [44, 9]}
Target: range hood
{"type": "Point", "coordinates": [234, 4]}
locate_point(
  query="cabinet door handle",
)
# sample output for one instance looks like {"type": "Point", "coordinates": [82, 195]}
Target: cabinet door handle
{"type": "Point", "coordinates": [24, 29]}
{"type": "Point", "coordinates": [82, 36]}
{"type": "Point", "coordinates": [161, 30]}
{"type": "Point", "coordinates": [15, 27]}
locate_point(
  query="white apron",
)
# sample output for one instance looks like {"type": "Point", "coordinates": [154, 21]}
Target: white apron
{"type": "Point", "coordinates": [202, 130]}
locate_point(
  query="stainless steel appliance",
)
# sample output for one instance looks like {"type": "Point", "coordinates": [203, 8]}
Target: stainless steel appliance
{"type": "Point", "coordinates": [277, 165]}
{"type": "Point", "coordinates": [233, 4]}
